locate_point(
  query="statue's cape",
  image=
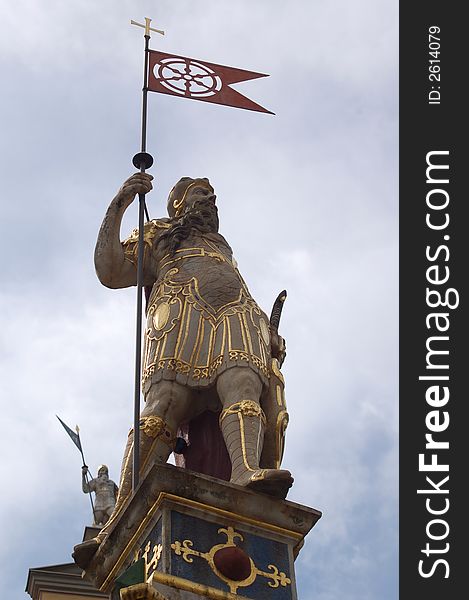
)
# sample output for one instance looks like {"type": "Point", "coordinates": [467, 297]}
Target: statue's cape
{"type": "Point", "coordinates": [207, 451]}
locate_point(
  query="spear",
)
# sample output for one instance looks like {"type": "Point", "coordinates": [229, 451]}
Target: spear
{"type": "Point", "coordinates": [142, 160]}
{"type": "Point", "coordinates": [75, 437]}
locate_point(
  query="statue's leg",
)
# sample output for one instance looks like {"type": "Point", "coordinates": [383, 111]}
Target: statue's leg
{"type": "Point", "coordinates": [99, 517]}
{"type": "Point", "coordinates": [166, 405]}
{"type": "Point", "coordinates": [242, 422]}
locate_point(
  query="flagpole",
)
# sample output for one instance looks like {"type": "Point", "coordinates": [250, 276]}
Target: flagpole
{"type": "Point", "coordinates": [80, 448]}
{"type": "Point", "coordinates": [86, 477]}
{"type": "Point", "coordinates": [141, 161]}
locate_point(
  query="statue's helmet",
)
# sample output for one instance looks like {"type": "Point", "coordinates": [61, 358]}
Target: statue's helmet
{"type": "Point", "coordinates": [103, 470]}
{"type": "Point", "coordinates": [177, 196]}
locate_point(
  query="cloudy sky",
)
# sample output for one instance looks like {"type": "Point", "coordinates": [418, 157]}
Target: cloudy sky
{"type": "Point", "coordinates": [307, 200]}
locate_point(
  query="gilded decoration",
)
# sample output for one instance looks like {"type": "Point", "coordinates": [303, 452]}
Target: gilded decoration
{"type": "Point", "coordinates": [274, 576]}
{"type": "Point", "coordinates": [276, 370]}
{"type": "Point", "coordinates": [161, 316]}
{"type": "Point", "coordinates": [152, 426]}
{"type": "Point", "coordinates": [247, 408]}
{"type": "Point", "coordinates": [150, 232]}
{"type": "Point", "coordinates": [280, 429]}
{"type": "Point", "coordinates": [192, 504]}
{"type": "Point", "coordinates": [178, 203]}
{"type": "Point", "coordinates": [188, 336]}
{"type": "Point", "coordinates": [151, 555]}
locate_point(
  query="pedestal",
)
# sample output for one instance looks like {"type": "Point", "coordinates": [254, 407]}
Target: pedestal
{"type": "Point", "coordinates": [197, 536]}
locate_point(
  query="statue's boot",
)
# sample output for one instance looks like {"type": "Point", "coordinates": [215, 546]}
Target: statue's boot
{"type": "Point", "coordinates": [243, 426]}
{"type": "Point", "coordinates": [156, 444]}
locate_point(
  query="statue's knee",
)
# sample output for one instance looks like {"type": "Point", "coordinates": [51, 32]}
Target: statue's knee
{"type": "Point", "coordinates": [157, 399]}
{"type": "Point", "coordinates": [168, 400]}
{"type": "Point", "coordinates": [239, 383]}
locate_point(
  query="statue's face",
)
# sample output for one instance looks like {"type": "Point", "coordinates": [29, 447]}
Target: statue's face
{"type": "Point", "coordinates": [188, 192]}
{"type": "Point", "coordinates": [102, 474]}
{"type": "Point", "coordinates": [199, 193]}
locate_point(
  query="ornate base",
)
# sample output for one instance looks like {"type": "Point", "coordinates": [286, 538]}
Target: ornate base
{"type": "Point", "coordinates": [202, 537]}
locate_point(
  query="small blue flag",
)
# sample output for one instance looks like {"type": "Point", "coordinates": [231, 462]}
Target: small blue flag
{"type": "Point", "coordinates": [75, 436]}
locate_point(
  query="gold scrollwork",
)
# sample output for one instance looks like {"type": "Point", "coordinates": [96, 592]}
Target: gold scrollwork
{"type": "Point", "coordinates": [280, 428]}
{"type": "Point", "coordinates": [247, 408]}
{"type": "Point", "coordinates": [179, 203]}
{"type": "Point", "coordinates": [152, 426]}
{"type": "Point", "coordinates": [186, 551]}
{"type": "Point", "coordinates": [151, 555]}
{"type": "Point", "coordinates": [239, 355]}
{"type": "Point", "coordinates": [174, 365]}
{"type": "Point", "coordinates": [156, 427]}
{"type": "Point", "coordinates": [276, 370]}
{"type": "Point", "coordinates": [150, 231]}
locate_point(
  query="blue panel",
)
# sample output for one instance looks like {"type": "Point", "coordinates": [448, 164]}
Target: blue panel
{"type": "Point", "coordinates": [204, 535]}
{"type": "Point", "coordinates": [151, 548]}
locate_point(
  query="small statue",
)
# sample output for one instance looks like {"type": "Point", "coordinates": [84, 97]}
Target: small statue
{"type": "Point", "coordinates": [105, 491]}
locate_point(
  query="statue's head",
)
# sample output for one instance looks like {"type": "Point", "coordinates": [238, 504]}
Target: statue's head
{"type": "Point", "coordinates": [187, 192]}
{"type": "Point", "coordinates": [103, 471]}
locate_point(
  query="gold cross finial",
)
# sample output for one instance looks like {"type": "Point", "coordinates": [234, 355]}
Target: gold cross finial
{"type": "Point", "coordinates": [147, 26]}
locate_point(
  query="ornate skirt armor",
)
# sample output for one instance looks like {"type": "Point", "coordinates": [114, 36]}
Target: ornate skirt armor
{"type": "Point", "coordinates": [201, 318]}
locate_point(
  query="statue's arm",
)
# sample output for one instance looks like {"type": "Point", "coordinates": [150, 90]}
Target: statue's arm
{"type": "Point", "coordinates": [112, 267]}
{"type": "Point", "coordinates": [87, 486]}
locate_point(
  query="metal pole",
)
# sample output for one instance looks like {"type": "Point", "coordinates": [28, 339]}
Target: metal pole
{"type": "Point", "coordinates": [141, 161]}
{"type": "Point", "coordinates": [86, 479]}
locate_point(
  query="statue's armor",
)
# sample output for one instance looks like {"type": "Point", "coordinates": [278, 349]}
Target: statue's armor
{"type": "Point", "coordinates": [105, 493]}
{"type": "Point", "coordinates": [201, 318]}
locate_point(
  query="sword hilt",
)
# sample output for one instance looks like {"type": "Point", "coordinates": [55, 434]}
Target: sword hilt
{"type": "Point", "coordinates": [277, 310]}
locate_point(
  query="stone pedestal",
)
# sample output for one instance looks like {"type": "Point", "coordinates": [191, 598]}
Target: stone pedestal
{"type": "Point", "coordinates": [202, 537]}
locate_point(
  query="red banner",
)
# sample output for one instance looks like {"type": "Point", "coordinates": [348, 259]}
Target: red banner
{"type": "Point", "coordinates": [199, 80]}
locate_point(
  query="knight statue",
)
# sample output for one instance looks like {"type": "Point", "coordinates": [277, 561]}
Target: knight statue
{"type": "Point", "coordinates": [105, 493]}
{"type": "Point", "coordinates": [211, 357]}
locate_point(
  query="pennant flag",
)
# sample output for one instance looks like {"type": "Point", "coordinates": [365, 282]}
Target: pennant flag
{"type": "Point", "coordinates": [199, 80]}
{"type": "Point", "coordinates": [75, 437]}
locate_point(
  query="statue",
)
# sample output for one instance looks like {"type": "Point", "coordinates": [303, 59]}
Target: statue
{"type": "Point", "coordinates": [105, 491]}
{"type": "Point", "coordinates": [208, 350]}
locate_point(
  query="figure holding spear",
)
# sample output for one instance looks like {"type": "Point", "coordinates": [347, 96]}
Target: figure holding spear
{"type": "Point", "coordinates": [104, 489]}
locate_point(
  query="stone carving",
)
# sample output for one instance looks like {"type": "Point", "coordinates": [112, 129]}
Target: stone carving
{"type": "Point", "coordinates": [208, 346]}
{"type": "Point", "coordinates": [141, 591]}
{"type": "Point", "coordinates": [105, 493]}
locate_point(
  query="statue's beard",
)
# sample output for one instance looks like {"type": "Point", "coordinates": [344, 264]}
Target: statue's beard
{"type": "Point", "coordinates": [202, 216]}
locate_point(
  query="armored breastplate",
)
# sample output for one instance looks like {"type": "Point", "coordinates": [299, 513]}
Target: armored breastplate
{"type": "Point", "coordinates": [208, 263]}
{"type": "Point", "coordinates": [104, 495]}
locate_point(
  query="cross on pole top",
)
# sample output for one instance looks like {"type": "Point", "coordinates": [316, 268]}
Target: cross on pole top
{"type": "Point", "coordinates": [147, 26]}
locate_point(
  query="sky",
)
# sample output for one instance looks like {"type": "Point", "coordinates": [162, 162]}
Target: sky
{"type": "Point", "coordinates": [307, 200]}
